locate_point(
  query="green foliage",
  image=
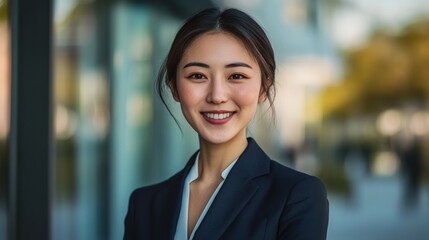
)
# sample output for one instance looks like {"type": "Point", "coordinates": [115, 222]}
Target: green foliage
{"type": "Point", "coordinates": [390, 69]}
{"type": "Point", "coordinates": [3, 10]}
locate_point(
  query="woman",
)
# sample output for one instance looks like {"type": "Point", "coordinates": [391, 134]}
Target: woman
{"type": "Point", "coordinates": [220, 66]}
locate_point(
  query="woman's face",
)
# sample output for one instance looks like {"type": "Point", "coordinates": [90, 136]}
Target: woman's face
{"type": "Point", "coordinates": [218, 87]}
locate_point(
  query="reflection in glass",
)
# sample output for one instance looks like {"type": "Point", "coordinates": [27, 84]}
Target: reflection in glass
{"type": "Point", "coordinates": [111, 132]}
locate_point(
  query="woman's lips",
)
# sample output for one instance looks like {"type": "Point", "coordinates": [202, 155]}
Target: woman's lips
{"type": "Point", "coordinates": [217, 117]}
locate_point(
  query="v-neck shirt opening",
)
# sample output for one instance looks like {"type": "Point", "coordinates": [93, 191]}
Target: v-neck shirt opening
{"type": "Point", "coordinates": [182, 224]}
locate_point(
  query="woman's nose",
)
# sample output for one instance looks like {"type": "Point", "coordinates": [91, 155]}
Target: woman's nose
{"type": "Point", "coordinates": [218, 92]}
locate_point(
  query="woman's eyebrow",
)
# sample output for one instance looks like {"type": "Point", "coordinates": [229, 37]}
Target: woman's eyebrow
{"type": "Point", "coordinates": [238, 64]}
{"type": "Point", "coordinates": [196, 64]}
{"type": "Point", "coordinates": [230, 65]}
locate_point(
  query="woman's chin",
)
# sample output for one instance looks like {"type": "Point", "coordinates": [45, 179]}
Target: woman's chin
{"type": "Point", "coordinates": [220, 138]}
{"type": "Point", "coordinates": [215, 140]}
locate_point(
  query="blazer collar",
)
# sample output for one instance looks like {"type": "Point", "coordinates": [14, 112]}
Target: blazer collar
{"type": "Point", "coordinates": [251, 163]}
{"type": "Point", "coordinates": [236, 191]}
{"type": "Point", "coordinates": [170, 202]}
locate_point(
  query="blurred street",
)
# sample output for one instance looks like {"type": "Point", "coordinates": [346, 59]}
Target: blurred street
{"type": "Point", "coordinates": [376, 212]}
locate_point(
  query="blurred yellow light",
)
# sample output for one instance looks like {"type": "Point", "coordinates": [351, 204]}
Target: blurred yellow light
{"type": "Point", "coordinates": [386, 164]}
{"type": "Point", "coordinates": [419, 123]}
{"type": "Point", "coordinates": [389, 122]}
{"type": "Point", "coordinates": [65, 123]}
{"type": "Point", "coordinates": [139, 108]}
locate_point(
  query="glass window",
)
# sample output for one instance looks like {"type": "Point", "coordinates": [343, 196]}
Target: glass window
{"type": "Point", "coordinates": [111, 130]}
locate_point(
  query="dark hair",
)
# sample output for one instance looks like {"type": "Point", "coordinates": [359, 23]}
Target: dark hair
{"type": "Point", "coordinates": [232, 21]}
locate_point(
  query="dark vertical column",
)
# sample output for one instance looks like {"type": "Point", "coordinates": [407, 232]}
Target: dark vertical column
{"type": "Point", "coordinates": [104, 59]}
{"type": "Point", "coordinates": [31, 120]}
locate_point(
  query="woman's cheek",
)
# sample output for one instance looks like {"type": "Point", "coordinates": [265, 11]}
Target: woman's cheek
{"type": "Point", "coordinates": [189, 93]}
{"type": "Point", "coordinates": [247, 94]}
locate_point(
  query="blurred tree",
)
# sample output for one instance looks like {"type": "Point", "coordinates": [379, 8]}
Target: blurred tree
{"type": "Point", "coordinates": [3, 10]}
{"type": "Point", "coordinates": [387, 71]}
{"type": "Point", "coordinates": [416, 42]}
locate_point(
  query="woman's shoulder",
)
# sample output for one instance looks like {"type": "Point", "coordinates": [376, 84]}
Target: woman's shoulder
{"type": "Point", "coordinates": [304, 203]}
{"type": "Point", "coordinates": [282, 177]}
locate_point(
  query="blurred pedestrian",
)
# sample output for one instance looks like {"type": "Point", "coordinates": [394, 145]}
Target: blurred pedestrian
{"type": "Point", "coordinates": [412, 166]}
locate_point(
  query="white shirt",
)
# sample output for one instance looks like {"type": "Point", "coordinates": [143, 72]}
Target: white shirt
{"type": "Point", "coordinates": [182, 224]}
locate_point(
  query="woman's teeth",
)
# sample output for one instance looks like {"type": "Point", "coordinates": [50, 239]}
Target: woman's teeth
{"type": "Point", "coordinates": [217, 115]}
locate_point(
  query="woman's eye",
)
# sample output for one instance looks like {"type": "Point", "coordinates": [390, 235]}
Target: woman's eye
{"type": "Point", "coordinates": [237, 76]}
{"type": "Point", "coordinates": [196, 76]}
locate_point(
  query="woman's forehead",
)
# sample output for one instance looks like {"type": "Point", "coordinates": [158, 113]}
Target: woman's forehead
{"type": "Point", "coordinates": [218, 46]}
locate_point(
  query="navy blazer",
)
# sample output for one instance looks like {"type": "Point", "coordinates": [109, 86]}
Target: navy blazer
{"type": "Point", "coordinates": [260, 199]}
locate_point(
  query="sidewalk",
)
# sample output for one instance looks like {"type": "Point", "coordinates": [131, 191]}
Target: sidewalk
{"type": "Point", "coordinates": [376, 213]}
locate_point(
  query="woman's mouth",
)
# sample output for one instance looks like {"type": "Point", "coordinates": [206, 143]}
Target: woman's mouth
{"type": "Point", "coordinates": [217, 117]}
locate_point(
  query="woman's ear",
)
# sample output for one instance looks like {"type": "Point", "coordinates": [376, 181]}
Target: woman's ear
{"type": "Point", "coordinates": [263, 93]}
{"type": "Point", "coordinates": [173, 90]}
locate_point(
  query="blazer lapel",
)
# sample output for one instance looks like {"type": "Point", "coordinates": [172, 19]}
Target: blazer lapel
{"type": "Point", "coordinates": [236, 191]}
{"type": "Point", "coordinates": [168, 204]}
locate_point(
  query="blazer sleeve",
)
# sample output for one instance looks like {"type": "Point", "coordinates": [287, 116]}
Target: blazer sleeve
{"type": "Point", "coordinates": [306, 213]}
{"type": "Point", "coordinates": [130, 230]}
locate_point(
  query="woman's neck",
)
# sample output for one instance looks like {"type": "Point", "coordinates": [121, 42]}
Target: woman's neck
{"type": "Point", "coordinates": [214, 158]}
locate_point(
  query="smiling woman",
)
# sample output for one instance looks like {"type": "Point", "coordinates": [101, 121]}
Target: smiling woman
{"type": "Point", "coordinates": [220, 66]}
{"type": "Point", "coordinates": [219, 95]}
